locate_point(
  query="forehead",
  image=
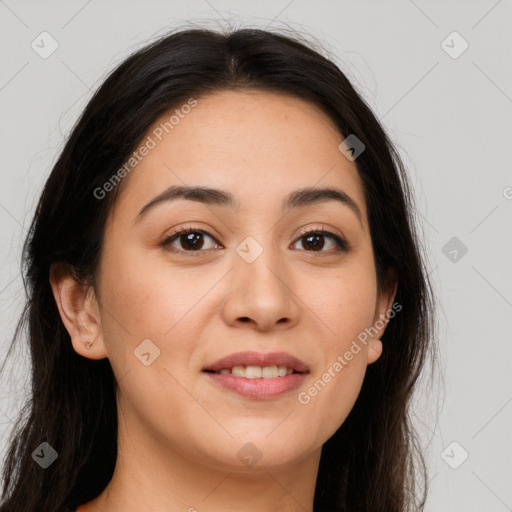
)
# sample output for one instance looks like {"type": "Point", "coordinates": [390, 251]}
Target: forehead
{"type": "Point", "coordinates": [258, 145]}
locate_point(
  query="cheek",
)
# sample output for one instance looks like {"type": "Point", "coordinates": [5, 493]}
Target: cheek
{"type": "Point", "coordinates": [154, 301]}
{"type": "Point", "coordinates": [142, 302]}
{"type": "Point", "coordinates": [146, 295]}
{"type": "Point", "coordinates": [343, 299]}
{"type": "Point", "coordinates": [345, 304]}
{"type": "Point", "coordinates": [328, 399]}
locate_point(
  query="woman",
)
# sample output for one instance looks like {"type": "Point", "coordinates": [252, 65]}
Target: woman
{"type": "Point", "coordinates": [227, 306]}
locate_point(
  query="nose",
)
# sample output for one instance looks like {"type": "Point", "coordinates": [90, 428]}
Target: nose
{"type": "Point", "coordinates": [261, 292]}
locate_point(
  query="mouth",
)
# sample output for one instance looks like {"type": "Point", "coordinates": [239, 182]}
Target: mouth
{"type": "Point", "coordinates": [256, 372]}
{"type": "Point", "coordinates": [258, 376]}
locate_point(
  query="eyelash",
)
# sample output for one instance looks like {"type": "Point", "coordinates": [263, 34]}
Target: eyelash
{"type": "Point", "coordinates": [341, 243]}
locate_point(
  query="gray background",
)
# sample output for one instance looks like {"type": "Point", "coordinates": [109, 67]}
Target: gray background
{"type": "Point", "coordinates": [449, 115]}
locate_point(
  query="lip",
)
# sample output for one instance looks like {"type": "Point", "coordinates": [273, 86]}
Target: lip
{"type": "Point", "coordinates": [258, 388]}
{"type": "Point", "coordinates": [259, 359]}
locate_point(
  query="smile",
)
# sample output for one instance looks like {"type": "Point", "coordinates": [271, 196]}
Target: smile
{"type": "Point", "coordinates": [257, 375]}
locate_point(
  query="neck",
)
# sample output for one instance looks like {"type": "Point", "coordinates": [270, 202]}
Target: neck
{"type": "Point", "coordinates": [150, 475]}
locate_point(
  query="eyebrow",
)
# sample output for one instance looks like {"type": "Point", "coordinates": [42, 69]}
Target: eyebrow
{"type": "Point", "coordinates": [300, 198]}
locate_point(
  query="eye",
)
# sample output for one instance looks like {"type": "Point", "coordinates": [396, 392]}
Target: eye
{"type": "Point", "coordinates": [190, 239]}
{"type": "Point", "coordinates": [315, 240]}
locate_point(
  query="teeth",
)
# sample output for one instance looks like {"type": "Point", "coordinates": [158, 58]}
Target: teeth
{"type": "Point", "coordinates": [253, 372]}
{"type": "Point", "coordinates": [257, 372]}
{"type": "Point", "coordinates": [270, 372]}
{"type": "Point", "coordinates": [238, 371]}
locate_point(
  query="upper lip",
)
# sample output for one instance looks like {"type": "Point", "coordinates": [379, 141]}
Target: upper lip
{"type": "Point", "coordinates": [258, 359]}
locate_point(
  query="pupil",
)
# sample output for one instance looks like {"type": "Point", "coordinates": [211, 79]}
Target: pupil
{"type": "Point", "coordinates": [192, 240]}
{"type": "Point", "coordinates": [316, 245]}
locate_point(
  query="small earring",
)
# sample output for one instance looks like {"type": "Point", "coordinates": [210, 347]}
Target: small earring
{"type": "Point", "coordinates": [88, 345]}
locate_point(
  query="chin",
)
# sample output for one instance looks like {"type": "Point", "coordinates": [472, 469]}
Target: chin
{"type": "Point", "coordinates": [266, 450]}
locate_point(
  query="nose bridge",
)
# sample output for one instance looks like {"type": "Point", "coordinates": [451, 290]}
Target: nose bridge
{"type": "Point", "coordinates": [259, 259]}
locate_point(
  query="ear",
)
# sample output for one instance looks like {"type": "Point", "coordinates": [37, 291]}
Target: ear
{"type": "Point", "coordinates": [385, 309]}
{"type": "Point", "coordinates": [79, 311]}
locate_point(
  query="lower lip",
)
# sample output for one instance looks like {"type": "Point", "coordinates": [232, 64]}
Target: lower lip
{"type": "Point", "coordinates": [259, 389]}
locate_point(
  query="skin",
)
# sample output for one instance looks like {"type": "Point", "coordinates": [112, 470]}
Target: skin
{"type": "Point", "coordinates": [179, 433]}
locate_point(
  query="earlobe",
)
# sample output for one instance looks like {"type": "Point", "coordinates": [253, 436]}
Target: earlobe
{"type": "Point", "coordinates": [79, 312]}
{"type": "Point", "coordinates": [384, 311]}
{"type": "Point", "coordinates": [374, 350]}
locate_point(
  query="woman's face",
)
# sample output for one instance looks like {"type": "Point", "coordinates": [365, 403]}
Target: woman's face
{"type": "Point", "coordinates": [246, 279]}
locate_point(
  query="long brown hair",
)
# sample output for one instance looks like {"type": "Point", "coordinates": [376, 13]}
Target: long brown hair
{"type": "Point", "coordinates": [372, 462]}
